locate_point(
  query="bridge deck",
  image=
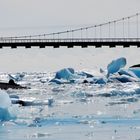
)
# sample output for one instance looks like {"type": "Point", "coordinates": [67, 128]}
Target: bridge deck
{"type": "Point", "coordinates": [70, 43]}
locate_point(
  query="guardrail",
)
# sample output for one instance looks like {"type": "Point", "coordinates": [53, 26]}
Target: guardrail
{"type": "Point", "coordinates": [8, 40]}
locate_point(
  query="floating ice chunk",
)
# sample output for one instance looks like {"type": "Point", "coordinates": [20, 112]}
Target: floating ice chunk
{"type": "Point", "coordinates": [122, 78]}
{"type": "Point", "coordinates": [116, 65]}
{"type": "Point", "coordinates": [95, 80]}
{"type": "Point", "coordinates": [62, 81]}
{"type": "Point", "coordinates": [4, 114]}
{"type": "Point", "coordinates": [127, 72]}
{"type": "Point", "coordinates": [99, 80]}
{"type": "Point", "coordinates": [87, 75]}
{"type": "Point", "coordinates": [57, 81]}
{"type": "Point", "coordinates": [87, 80]}
{"type": "Point", "coordinates": [67, 73]}
{"type": "Point", "coordinates": [14, 96]}
{"type": "Point", "coordinates": [17, 77]}
{"type": "Point", "coordinates": [32, 102]}
{"type": "Point", "coordinates": [5, 103]}
{"type": "Point", "coordinates": [136, 71]}
{"type": "Point", "coordinates": [43, 80]}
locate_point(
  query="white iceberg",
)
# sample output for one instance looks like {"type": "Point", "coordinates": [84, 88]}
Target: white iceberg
{"type": "Point", "coordinates": [17, 77]}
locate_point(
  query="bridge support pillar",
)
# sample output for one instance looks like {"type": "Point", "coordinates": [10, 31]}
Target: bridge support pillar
{"type": "Point", "coordinates": [84, 46]}
{"type": "Point", "coordinates": [138, 45]}
{"type": "Point", "coordinates": [69, 46]}
{"type": "Point", "coordinates": [13, 47]}
{"type": "Point", "coordinates": [27, 47]}
{"type": "Point", "coordinates": [112, 46]}
{"type": "Point", "coordinates": [56, 46]}
{"type": "Point", "coordinates": [42, 46]}
{"type": "Point", "coordinates": [98, 46]}
{"type": "Point", "coordinates": [126, 46]}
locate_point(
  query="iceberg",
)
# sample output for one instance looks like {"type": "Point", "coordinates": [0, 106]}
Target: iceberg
{"type": "Point", "coordinates": [116, 65]}
{"type": "Point", "coordinates": [67, 74]}
{"type": "Point", "coordinates": [5, 100]}
{"type": "Point", "coordinates": [115, 73]}
{"type": "Point", "coordinates": [96, 80]}
{"type": "Point", "coordinates": [17, 77]}
{"type": "Point", "coordinates": [101, 81]}
{"type": "Point", "coordinates": [5, 103]}
{"type": "Point", "coordinates": [57, 81]}
{"type": "Point", "coordinates": [85, 74]}
{"type": "Point", "coordinates": [127, 72]}
{"type": "Point", "coordinates": [122, 78]}
{"type": "Point", "coordinates": [136, 71]}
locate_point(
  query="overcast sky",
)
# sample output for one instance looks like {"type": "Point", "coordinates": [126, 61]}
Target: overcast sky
{"type": "Point", "coordinates": [25, 16]}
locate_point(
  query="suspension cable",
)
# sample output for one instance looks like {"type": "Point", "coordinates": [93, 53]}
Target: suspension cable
{"type": "Point", "coordinates": [137, 22]}
{"type": "Point", "coordinates": [81, 29]}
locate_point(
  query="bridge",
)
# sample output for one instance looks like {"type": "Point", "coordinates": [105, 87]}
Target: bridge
{"type": "Point", "coordinates": [121, 32]}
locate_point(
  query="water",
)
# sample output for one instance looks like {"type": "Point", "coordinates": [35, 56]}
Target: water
{"type": "Point", "coordinates": [73, 111]}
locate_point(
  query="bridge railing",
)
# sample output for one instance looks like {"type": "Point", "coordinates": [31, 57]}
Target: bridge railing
{"type": "Point", "coordinates": [8, 40]}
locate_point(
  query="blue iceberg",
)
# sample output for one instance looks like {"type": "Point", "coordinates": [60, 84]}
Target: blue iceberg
{"type": "Point", "coordinates": [67, 74]}
{"type": "Point", "coordinates": [122, 78]}
{"type": "Point", "coordinates": [5, 103]}
{"type": "Point", "coordinates": [116, 65]}
{"type": "Point", "coordinates": [85, 74]}
{"type": "Point", "coordinates": [136, 71]}
{"type": "Point", "coordinates": [4, 114]}
{"type": "Point", "coordinates": [115, 73]}
{"type": "Point", "coordinates": [98, 80]}
{"type": "Point", "coordinates": [127, 72]}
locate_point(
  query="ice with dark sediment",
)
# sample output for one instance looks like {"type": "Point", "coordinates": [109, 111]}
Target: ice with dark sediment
{"type": "Point", "coordinates": [17, 77]}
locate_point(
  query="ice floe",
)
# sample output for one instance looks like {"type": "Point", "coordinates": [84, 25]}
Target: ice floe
{"type": "Point", "coordinates": [136, 71]}
{"type": "Point", "coordinates": [5, 103]}
{"type": "Point", "coordinates": [116, 65]}
{"type": "Point", "coordinates": [115, 72]}
{"type": "Point", "coordinates": [17, 77]}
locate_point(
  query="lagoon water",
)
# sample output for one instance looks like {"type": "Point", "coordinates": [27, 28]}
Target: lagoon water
{"type": "Point", "coordinates": [73, 111]}
{"type": "Point", "coordinates": [70, 111]}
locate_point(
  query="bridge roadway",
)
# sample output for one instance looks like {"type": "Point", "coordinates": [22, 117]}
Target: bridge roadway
{"type": "Point", "coordinates": [70, 43]}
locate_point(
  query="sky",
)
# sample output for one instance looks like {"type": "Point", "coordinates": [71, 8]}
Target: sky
{"type": "Point", "coordinates": [43, 16]}
{"type": "Point", "coordinates": [25, 17]}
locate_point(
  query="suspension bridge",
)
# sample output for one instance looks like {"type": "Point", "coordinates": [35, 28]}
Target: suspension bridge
{"type": "Point", "coordinates": [121, 32]}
